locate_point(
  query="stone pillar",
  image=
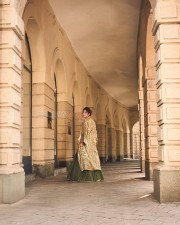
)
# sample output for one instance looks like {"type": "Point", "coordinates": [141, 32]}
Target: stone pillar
{"type": "Point", "coordinates": [127, 145]}
{"type": "Point", "coordinates": [109, 144]}
{"type": "Point", "coordinates": [42, 130]}
{"type": "Point", "coordinates": [101, 142]}
{"type": "Point", "coordinates": [150, 122]}
{"type": "Point", "coordinates": [121, 145]}
{"type": "Point", "coordinates": [117, 145]}
{"type": "Point", "coordinates": [136, 141]}
{"type": "Point", "coordinates": [78, 124]}
{"type": "Point", "coordinates": [131, 145]}
{"type": "Point", "coordinates": [65, 132]}
{"type": "Point", "coordinates": [167, 44]}
{"type": "Point", "coordinates": [113, 132]}
{"type": "Point", "coordinates": [12, 178]}
{"type": "Point", "coordinates": [142, 136]}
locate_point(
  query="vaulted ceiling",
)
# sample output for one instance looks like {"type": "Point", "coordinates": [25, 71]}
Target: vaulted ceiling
{"type": "Point", "coordinates": [103, 34]}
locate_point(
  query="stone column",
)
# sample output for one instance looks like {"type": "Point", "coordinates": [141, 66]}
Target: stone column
{"type": "Point", "coordinates": [65, 132]}
{"type": "Point", "coordinates": [101, 142]}
{"type": "Point", "coordinates": [117, 145]}
{"type": "Point", "coordinates": [167, 45]}
{"type": "Point", "coordinates": [121, 145]}
{"type": "Point", "coordinates": [127, 145]}
{"type": "Point", "coordinates": [42, 127]}
{"type": "Point", "coordinates": [142, 136]}
{"type": "Point", "coordinates": [113, 132]}
{"type": "Point", "coordinates": [109, 144]}
{"type": "Point", "coordinates": [131, 145]}
{"type": "Point", "coordinates": [78, 123]}
{"type": "Point", "coordinates": [12, 178]}
{"type": "Point", "coordinates": [150, 122]}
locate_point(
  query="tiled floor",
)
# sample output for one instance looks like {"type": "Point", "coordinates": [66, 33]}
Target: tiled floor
{"type": "Point", "coordinates": [124, 198]}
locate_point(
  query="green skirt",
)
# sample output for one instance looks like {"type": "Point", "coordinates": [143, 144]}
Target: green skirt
{"type": "Point", "coordinates": [75, 173]}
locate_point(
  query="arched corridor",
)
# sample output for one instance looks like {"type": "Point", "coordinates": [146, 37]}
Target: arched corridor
{"type": "Point", "coordinates": [120, 58]}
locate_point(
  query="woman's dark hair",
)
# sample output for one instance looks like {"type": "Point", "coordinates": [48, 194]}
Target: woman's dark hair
{"type": "Point", "coordinates": [87, 109]}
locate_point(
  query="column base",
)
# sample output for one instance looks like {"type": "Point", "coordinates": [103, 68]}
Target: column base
{"type": "Point", "coordinates": [43, 170]}
{"type": "Point", "coordinates": [166, 185]}
{"type": "Point", "coordinates": [102, 159]}
{"type": "Point", "coordinates": [66, 164]}
{"type": "Point", "coordinates": [109, 159]}
{"type": "Point", "coordinates": [113, 158]}
{"type": "Point", "coordinates": [121, 157]}
{"type": "Point", "coordinates": [149, 168]}
{"type": "Point", "coordinates": [12, 188]}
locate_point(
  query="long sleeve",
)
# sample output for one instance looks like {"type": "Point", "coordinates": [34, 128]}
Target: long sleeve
{"type": "Point", "coordinates": [93, 132]}
{"type": "Point", "coordinates": [81, 137]}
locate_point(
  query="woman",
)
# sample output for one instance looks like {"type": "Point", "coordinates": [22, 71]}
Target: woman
{"type": "Point", "coordinates": [86, 165]}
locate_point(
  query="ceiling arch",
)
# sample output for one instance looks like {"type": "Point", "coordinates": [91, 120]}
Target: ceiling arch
{"type": "Point", "coordinates": [103, 34]}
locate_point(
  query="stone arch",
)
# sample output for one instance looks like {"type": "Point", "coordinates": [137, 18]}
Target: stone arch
{"type": "Point", "coordinates": [116, 120]}
{"type": "Point", "coordinates": [89, 101]}
{"type": "Point", "coordinates": [134, 121]}
{"type": "Point", "coordinates": [124, 124]}
{"type": "Point", "coordinates": [77, 97]}
{"type": "Point", "coordinates": [21, 6]}
{"type": "Point", "coordinates": [59, 85]}
{"type": "Point", "coordinates": [152, 3]}
{"type": "Point", "coordinates": [58, 70]}
{"type": "Point", "coordinates": [36, 40]}
{"type": "Point", "coordinates": [147, 86]}
{"type": "Point", "coordinates": [99, 116]}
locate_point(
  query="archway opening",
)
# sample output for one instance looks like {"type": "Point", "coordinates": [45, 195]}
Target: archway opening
{"type": "Point", "coordinates": [27, 108]}
{"type": "Point", "coordinates": [136, 141]}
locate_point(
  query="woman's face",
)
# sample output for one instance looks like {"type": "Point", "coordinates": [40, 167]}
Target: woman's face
{"type": "Point", "coordinates": [85, 114]}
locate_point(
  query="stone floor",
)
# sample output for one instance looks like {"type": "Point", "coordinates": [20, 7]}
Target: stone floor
{"type": "Point", "coordinates": [124, 198]}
